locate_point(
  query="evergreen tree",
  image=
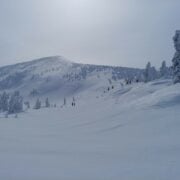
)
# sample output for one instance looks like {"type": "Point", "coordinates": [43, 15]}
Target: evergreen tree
{"type": "Point", "coordinates": [15, 103]}
{"type": "Point", "coordinates": [4, 102]}
{"type": "Point", "coordinates": [150, 73]}
{"type": "Point", "coordinates": [37, 104]}
{"type": "Point", "coordinates": [147, 72]}
{"type": "Point", "coordinates": [153, 73]}
{"type": "Point", "coordinates": [176, 59]}
{"type": "Point", "coordinates": [47, 104]}
{"type": "Point", "coordinates": [164, 70]}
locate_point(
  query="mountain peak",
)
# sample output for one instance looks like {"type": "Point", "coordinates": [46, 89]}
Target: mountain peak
{"type": "Point", "coordinates": [57, 75]}
{"type": "Point", "coordinates": [53, 59]}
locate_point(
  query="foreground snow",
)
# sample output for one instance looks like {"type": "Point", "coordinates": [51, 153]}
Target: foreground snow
{"type": "Point", "coordinates": [129, 133]}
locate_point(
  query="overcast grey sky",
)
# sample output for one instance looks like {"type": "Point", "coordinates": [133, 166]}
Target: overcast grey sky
{"type": "Point", "coordinates": [116, 32]}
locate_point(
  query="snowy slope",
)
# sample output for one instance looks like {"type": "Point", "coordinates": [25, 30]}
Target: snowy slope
{"type": "Point", "coordinates": [57, 77]}
{"type": "Point", "coordinates": [130, 132]}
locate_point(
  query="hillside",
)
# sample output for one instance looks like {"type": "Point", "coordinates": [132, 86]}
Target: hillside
{"type": "Point", "coordinates": [131, 132]}
{"type": "Point", "coordinates": [114, 131]}
{"type": "Point", "coordinates": [58, 77]}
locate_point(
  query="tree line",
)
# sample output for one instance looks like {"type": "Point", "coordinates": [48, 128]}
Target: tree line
{"type": "Point", "coordinates": [12, 103]}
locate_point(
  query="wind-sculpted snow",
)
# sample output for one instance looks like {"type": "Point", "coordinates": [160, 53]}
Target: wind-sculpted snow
{"type": "Point", "coordinates": [120, 134]}
{"type": "Point", "coordinates": [114, 131]}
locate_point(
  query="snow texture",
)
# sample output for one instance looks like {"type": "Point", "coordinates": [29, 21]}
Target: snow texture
{"type": "Point", "coordinates": [82, 122]}
{"type": "Point", "coordinates": [130, 132]}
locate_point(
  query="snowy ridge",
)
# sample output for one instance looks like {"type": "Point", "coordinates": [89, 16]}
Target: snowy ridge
{"type": "Point", "coordinates": [57, 75]}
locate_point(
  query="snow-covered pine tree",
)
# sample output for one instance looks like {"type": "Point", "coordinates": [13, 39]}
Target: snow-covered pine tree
{"type": "Point", "coordinates": [150, 73]}
{"type": "Point", "coordinates": [15, 103]}
{"type": "Point", "coordinates": [147, 72]}
{"type": "Point", "coordinates": [176, 59]}
{"type": "Point", "coordinates": [47, 104]}
{"type": "Point", "coordinates": [37, 104]}
{"type": "Point", "coordinates": [153, 73]}
{"type": "Point", "coordinates": [164, 70]}
{"type": "Point", "coordinates": [4, 102]}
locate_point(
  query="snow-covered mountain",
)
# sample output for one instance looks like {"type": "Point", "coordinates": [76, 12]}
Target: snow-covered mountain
{"type": "Point", "coordinates": [58, 76]}
{"type": "Point", "coordinates": [115, 130]}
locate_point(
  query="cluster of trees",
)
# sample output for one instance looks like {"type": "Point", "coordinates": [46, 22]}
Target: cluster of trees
{"type": "Point", "coordinates": [11, 103]}
{"type": "Point", "coordinates": [151, 73]}
{"type": "Point", "coordinates": [174, 71]}
{"type": "Point", "coordinates": [38, 103]}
